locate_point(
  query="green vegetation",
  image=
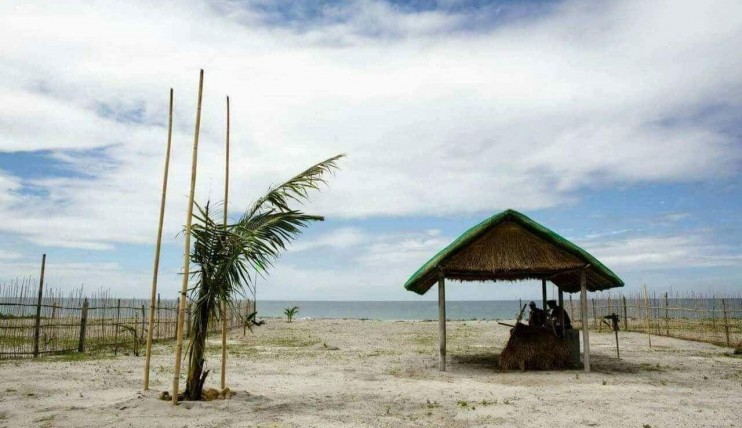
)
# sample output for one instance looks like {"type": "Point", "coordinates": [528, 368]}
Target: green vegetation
{"type": "Point", "coordinates": [229, 257]}
{"type": "Point", "coordinates": [290, 312]}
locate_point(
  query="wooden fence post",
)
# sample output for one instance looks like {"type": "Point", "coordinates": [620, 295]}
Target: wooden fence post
{"type": "Point", "coordinates": [37, 325]}
{"type": "Point", "coordinates": [53, 335]}
{"type": "Point", "coordinates": [646, 315]}
{"type": "Point", "coordinates": [176, 322]}
{"type": "Point", "coordinates": [667, 316]}
{"type": "Point", "coordinates": [625, 315]}
{"type": "Point", "coordinates": [83, 323]}
{"type": "Point", "coordinates": [142, 336]}
{"type": "Point", "coordinates": [596, 324]}
{"type": "Point", "coordinates": [118, 321]}
{"type": "Point", "coordinates": [726, 320]}
{"type": "Point", "coordinates": [158, 316]}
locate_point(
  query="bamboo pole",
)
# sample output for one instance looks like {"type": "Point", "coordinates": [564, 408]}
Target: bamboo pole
{"type": "Point", "coordinates": [187, 253]}
{"type": "Point", "coordinates": [156, 269]}
{"type": "Point", "coordinates": [543, 293]}
{"type": "Point", "coordinates": [224, 304]}
{"type": "Point", "coordinates": [37, 326]}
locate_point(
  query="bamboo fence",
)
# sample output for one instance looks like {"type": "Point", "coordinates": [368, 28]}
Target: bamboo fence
{"type": "Point", "coordinates": [73, 322]}
{"type": "Point", "coordinates": [698, 317]}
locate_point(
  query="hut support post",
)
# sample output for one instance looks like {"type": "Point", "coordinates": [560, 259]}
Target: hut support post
{"type": "Point", "coordinates": [585, 321]}
{"type": "Point", "coordinates": [561, 305]}
{"type": "Point", "coordinates": [543, 293]}
{"type": "Point", "coordinates": [442, 322]}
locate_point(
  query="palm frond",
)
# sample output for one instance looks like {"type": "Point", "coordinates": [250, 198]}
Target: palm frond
{"type": "Point", "coordinates": [296, 188]}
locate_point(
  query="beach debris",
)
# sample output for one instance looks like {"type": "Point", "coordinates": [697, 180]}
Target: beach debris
{"type": "Point", "coordinates": [210, 394]}
{"type": "Point", "coordinates": [326, 347]}
{"type": "Point", "coordinates": [165, 396]}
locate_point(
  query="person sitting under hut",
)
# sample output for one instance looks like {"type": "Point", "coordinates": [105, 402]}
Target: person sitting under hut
{"type": "Point", "coordinates": [537, 316]}
{"type": "Point", "coordinates": [555, 316]}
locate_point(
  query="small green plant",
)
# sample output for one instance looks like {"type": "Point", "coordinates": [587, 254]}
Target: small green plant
{"type": "Point", "coordinates": [605, 382]}
{"type": "Point", "coordinates": [433, 404]}
{"type": "Point", "coordinates": [290, 312]}
{"type": "Point", "coordinates": [462, 403]}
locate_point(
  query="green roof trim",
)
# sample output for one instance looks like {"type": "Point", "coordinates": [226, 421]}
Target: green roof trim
{"type": "Point", "coordinates": [419, 281]}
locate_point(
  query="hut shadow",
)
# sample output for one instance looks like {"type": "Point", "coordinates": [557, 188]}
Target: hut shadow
{"type": "Point", "coordinates": [479, 361]}
{"type": "Point", "coordinates": [608, 364]}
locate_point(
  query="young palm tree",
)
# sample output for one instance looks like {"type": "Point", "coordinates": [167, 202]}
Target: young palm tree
{"type": "Point", "coordinates": [229, 258]}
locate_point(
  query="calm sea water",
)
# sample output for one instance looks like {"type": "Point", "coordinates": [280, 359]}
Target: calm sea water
{"type": "Point", "coordinates": [423, 310]}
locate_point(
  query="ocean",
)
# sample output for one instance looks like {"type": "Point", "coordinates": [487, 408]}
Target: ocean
{"type": "Point", "coordinates": [392, 310]}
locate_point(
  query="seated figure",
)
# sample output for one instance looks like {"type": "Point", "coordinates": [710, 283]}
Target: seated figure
{"type": "Point", "coordinates": [537, 316]}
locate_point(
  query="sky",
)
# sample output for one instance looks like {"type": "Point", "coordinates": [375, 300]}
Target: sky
{"type": "Point", "coordinates": [616, 124]}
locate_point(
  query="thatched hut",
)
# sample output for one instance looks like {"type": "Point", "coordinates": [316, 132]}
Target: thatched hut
{"type": "Point", "coordinates": [510, 246]}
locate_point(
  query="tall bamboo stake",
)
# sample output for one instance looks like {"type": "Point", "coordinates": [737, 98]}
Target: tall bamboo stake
{"type": "Point", "coordinates": [224, 304]}
{"type": "Point", "coordinates": [187, 253]}
{"type": "Point", "coordinates": [156, 269]}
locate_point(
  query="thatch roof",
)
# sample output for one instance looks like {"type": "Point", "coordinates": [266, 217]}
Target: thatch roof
{"type": "Point", "coordinates": [510, 246]}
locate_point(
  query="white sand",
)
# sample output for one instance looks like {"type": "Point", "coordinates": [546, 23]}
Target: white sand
{"type": "Point", "coordinates": [385, 374]}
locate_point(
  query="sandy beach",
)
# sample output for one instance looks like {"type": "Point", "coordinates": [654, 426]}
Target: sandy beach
{"type": "Point", "coordinates": [384, 373]}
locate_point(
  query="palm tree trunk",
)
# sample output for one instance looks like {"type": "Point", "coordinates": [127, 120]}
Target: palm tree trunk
{"type": "Point", "coordinates": [196, 373]}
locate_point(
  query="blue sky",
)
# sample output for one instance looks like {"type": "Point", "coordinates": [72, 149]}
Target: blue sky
{"type": "Point", "coordinates": [616, 124]}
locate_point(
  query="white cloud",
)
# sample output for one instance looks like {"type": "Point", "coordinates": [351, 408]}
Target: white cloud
{"type": "Point", "coordinates": [663, 252]}
{"type": "Point", "coordinates": [436, 120]}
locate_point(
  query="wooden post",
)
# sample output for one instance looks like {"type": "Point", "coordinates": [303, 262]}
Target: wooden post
{"type": "Point", "coordinates": [625, 315]}
{"type": "Point", "coordinates": [187, 252]}
{"type": "Point", "coordinates": [667, 315]}
{"type": "Point", "coordinates": [726, 320]}
{"type": "Point", "coordinates": [596, 324]}
{"type": "Point", "coordinates": [224, 304]}
{"type": "Point", "coordinates": [442, 322]}
{"type": "Point", "coordinates": [247, 312]}
{"type": "Point", "coordinates": [142, 335]}
{"type": "Point", "coordinates": [158, 244]}
{"type": "Point", "coordinates": [561, 315]}
{"type": "Point", "coordinates": [54, 326]}
{"type": "Point", "coordinates": [83, 324]}
{"type": "Point", "coordinates": [118, 322]}
{"type": "Point", "coordinates": [543, 294]}
{"type": "Point", "coordinates": [158, 336]}
{"type": "Point", "coordinates": [646, 314]}
{"type": "Point", "coordinates": [176, 323]}
{"type": "Point", "coordinates": [37, 325]}
{"type": "Point", "coordinates": [585, 328]}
